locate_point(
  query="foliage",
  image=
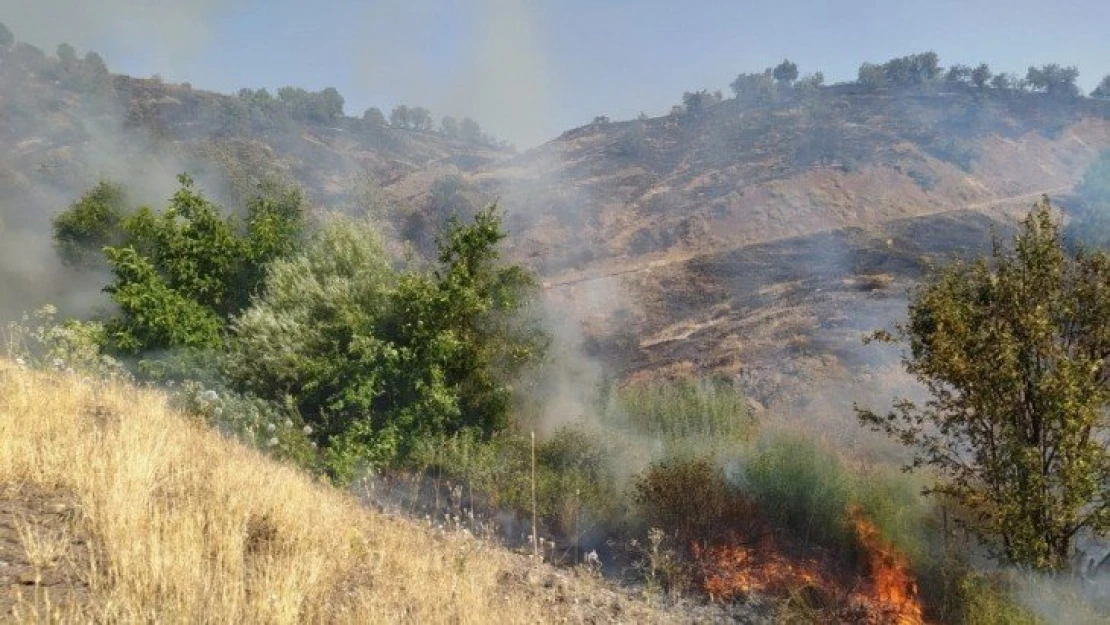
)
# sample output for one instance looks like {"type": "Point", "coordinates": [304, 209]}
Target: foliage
{"type": "Point", "coordinates": [376, 361]}
{"type": "Point", "coordinates": [981, 75]}
{"type": "Point", "coordinates": [374, 117]}
{"type": "Point", "coordinates": [801, 488]}
{"type": "Point", "coordinates": [179, 274]}
{"type": "Point", "coordinates": [692, 500]}
{"type": "Point", "coordinates": [1014, 354]}
{"type": "Point", "coordinates": [1102, 91]}
{"type": "Point", "coordinates": [1054, 79]}
{"type": "Point", "coordinates": [914, 69]}
{"type": "Point", "coordinates": [449, 126]}
{"type": "Point", "coordinates": [871, 75]}
{"type": "Point", "coordinates": [7, 39]}
{"type": "Point", "coordinates": [685, 409]}
{"type": "Point", "coordinates": [786, 72]}
{"type": "Point", "coordinates": [958, 73]}
{"type": "Point", "coordinates": [759, 88]}
{"type": "Point", "coordinates": [1089, 218]}
{"type": "Point", "coordinates": [697, 102]}
{"type": "Point", "coordinates": [90, 224]}
{"type": "Point", "coordinates": [40, 341]}
{"type": "Point", "coordinates": [322, 107]}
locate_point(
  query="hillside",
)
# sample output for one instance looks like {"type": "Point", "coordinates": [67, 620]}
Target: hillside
{"type": "Point", "coordinates": [669, 241]}
{"type": "Point", "coordinates": [749, 236]}
{"type": "Point", "coordinates": [114, 508]}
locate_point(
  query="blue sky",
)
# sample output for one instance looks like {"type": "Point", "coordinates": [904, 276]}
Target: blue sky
{"type": "Point", "coordinates": [529, 70]}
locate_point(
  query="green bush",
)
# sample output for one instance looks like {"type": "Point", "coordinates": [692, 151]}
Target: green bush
{"type": "Point", "coordinates": [683, 409]}
{"type": "Point", "coordinates": [801, 488]}
{"type": "Point", "coordinates": [378, 360]}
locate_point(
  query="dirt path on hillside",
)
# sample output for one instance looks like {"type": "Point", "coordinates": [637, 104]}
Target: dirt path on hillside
{"type": "Point", "coordinates": [648, 264]}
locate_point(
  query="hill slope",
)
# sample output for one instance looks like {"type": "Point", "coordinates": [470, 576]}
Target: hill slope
{"type": "Point", "coordinates": [115, 509]}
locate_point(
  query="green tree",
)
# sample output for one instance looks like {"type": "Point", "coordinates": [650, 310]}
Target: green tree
{"type": "Point", "coordinates": [68, 57]}
{"type": "Point", "coordinates": [871, 75]}
{"type": "Point", "coordinates": [1015, 353]}
{"type": "Point", "coordinates": [374, 117]}
{"type": "Point", "coordinates": [1054, 79]}
{"type": "Point", "coordinates": [470, 131]}
{"type": "Point", "coordinates": [90, 224]}
{"type": "Point", "coordinates": [7, 38]}
{"type": "Point", "coordinates": [400, 117]}
{"type": "Point", "coordinates": [449, 126]}
{"type": "Point", "coordinates": [421, 119]}
{"type": "Point", "coordinates": [378, 361]}
{"type": "Point", "coordinates": [1102, 91]}
{"type": "Point", "coordinates": [958, 73]}
{"type": "Point", "coordinates": [786, 72]}
{"type": "Point", "coordinates": [180, 273]}
{"type": "Point", "coordinates": [981, 75]}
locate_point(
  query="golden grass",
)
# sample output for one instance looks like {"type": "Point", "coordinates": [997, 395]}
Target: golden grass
{"type": "Point", "coordinates": [187, 527]}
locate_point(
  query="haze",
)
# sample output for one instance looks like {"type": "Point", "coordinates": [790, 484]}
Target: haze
{"type": "Point", "coordinates": [528, 70]}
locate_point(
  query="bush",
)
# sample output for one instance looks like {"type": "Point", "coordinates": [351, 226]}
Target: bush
{"type": "Point", "coordinates": [376, 360]}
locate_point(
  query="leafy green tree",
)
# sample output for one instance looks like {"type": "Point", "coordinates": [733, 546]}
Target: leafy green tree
{"type": "Point", "coordinates": [1089, 223]}
{"type": "Point", "coordinates": [697, 102]}
{"type": "Point", "coordinates": [470, 131]}
{"type": "Point", "coordinates": [377, 361]}
{"type": "Point", "coordinates": [1102, 91]}
{"type": "Point", "coordinates": [981, 75]}
{"type": "Point", "coordinates": [759, 88]}
{"type": "Point", "coordinates": [449, 126]}
{"type": "Point", "coordinates": [958, 73]}
{"type": "Point", "coordinates": [421, 119]}
{"type": "Point", "coordinates": [374, 117]}
{"type": "Point", "coordinates": [400, 117]}
{"type": "Point", "coordinates": [7, 38]}
{"type": "Point", "coordinates": [178, 274]}
{"type": "Point", "coordinates": [785, 72]}
{"type": "Point", "coordinates": [1015, 353]}
{"type": "Point", "coordinates": [1054, 80]}
{"type": "Point", "coordinates": [871, 75]}
{"type": "Point", "coordinates": [68, 57]}
{"type": "Point", "coordinates": [90, 224]}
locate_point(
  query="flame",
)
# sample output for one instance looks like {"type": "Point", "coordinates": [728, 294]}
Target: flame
{"type": "Point", "coordinates": [730, 571]}
{"type": "Point", "coordinates": [888, 594]}
{"type": "Point", "coordinates": [894, 585]}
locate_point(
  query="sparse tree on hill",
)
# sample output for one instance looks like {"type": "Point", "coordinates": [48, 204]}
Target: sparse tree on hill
{"type": "Point", "coordinates": [470, 131]}
{"type": "Point", "coordinates": [1054, 79]}
{"type": "Point", "coordinates": [68, 57]}
{"type": "Point", "coordinates": [7, 38]}
{"type": "Point", "coordinates": [980, 75]}
{"type": "Point", "coordinates": [1102, 91]}
{"type": "Point", "coordinates": [421, 119]}
{"type": "Point", "coordinates": [697, 102]}
{"type": "Point", "coordinates": [759, 88]}
{"type": "Point", "coordinates": [374, 117]}
{"type": "Point", "coordinates": [958, 73]}
{"type": "Point", "coordinates": [786, 72]}
{"type": "Point", "coordinates": [1015, 352]}
{"type": "Point", "coordinates": [400, 117]}
{"type": "Point", "coordinates": [871, 75]}
{"type": "Point", "coordinates": [1003, 80]}
{"type": "Point", "coordinates": [95, 64]}
{"type": "Point", "coordinates": [449, 126]}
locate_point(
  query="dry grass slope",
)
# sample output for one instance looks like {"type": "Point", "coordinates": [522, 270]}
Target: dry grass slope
{"type": "Point", "coordinates": [182, 526]}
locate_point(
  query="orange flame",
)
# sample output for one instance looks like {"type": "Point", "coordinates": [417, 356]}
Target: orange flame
{"type": "Point", "coordinates": [889, 594]}
{"type": "Point", "coordinates": [895, 586]}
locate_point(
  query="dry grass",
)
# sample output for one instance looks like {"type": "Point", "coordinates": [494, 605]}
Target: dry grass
{"type": "Point", "coordinates": [188, 527]}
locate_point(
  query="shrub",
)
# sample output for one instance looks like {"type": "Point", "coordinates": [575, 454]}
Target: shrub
{"type": "Point", "coordinates": [377, 361]}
